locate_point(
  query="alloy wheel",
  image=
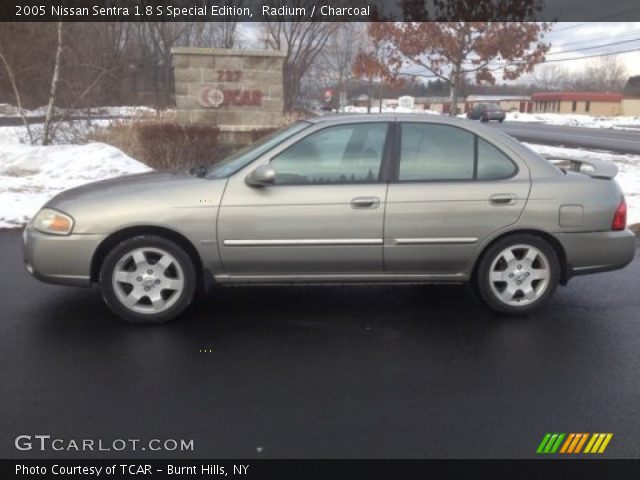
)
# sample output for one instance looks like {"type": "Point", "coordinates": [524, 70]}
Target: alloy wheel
{"type": "Point", "coordinates": [148, 280]}
{"type": "Point", "coordinates": [519, 275]}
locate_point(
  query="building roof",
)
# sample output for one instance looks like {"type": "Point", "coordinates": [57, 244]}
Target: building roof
{"type": "Point", "coordinates": [432, 99]}
{"type": "Point", "coordinates": [497, 98]}
{"type": "Point", "coordinates": [578, 96]}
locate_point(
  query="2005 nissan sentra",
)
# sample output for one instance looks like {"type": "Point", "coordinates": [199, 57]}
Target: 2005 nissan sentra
{"type": "Point", "coordinates": [389, 198]}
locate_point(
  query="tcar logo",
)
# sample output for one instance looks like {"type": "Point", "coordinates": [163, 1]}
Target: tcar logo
{"type": "Point", "coordinates": [573, 443]}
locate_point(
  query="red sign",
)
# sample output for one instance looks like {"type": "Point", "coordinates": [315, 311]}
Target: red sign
{"type": "Point", "coordinates": [213, 97]}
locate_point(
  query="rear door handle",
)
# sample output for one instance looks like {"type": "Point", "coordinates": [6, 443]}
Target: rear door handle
{"type": "Point", "coordinates": [503, 199]}
{"type": "Point", "coordinates": [365, 202]}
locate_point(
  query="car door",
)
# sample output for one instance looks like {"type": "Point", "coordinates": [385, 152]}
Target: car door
{"type": "Point", "coordinates": [450, 191]}
{"type": "Point", "coordinates": [323, 214]}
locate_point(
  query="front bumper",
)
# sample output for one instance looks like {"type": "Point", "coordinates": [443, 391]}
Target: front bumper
{"type": "Point", "coordinates": [63, 260]}
{"type": "Point", "coordinates": [595, 252]}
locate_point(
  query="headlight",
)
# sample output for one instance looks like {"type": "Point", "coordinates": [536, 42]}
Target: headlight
{"type": "Point", "coordinates": [51, 221]}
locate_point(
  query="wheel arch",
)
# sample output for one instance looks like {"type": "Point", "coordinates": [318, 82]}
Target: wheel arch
{"type": "Point", "coordinates": [553, 241]}
{"type": "Point", "coordinates": [116, 237]}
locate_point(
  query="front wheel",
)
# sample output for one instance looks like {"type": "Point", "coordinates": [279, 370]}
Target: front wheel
{"type": "Point", "coordinates": [518, 274]}
{"type": "Point", "coordinates": [147, 279]}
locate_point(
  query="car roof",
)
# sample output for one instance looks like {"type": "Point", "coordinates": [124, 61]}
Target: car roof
{"type": "Point", "coordinates": [386, 117]}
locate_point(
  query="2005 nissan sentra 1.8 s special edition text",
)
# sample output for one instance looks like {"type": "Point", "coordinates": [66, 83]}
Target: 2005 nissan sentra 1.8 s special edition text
{"type": "Point", "coordinates": [389, 198]}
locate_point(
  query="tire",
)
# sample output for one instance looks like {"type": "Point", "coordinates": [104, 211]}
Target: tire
{"type": "Point", "coordinates": [523, 258]}
{"type": "Point", "coordinates": [501, 120]}
{"type": "Point", "coordinates": [484, 119]}
{"type": "Point", "coordinates": [133, 274]}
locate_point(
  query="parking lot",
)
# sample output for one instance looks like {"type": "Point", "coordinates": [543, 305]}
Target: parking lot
{"type": "Point", "coordinates": [321, 372]}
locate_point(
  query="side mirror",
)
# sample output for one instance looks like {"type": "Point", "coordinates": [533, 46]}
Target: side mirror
{"type": "Point", "coordinates": [261, 176]}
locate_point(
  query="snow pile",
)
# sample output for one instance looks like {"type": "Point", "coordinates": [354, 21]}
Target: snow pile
{"type": "Point", "coordinates": [31, 175]}
{"type": "Point", "coordinates": [628, 175]}
{"type": "Point", "coordinates": [576, 120]}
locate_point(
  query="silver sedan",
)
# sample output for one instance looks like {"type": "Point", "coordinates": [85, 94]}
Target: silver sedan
{"type": "Point", "coordinates": [389, 198]}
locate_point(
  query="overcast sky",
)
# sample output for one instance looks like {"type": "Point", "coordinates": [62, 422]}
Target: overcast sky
{"type": "Point", "coordinates": [572, 36]}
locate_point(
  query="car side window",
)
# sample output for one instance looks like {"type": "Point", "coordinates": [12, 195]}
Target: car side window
{"type": "Point", "coordinates": [340, 154]}
{"type": "Point", "coordinates": [435, 152]}
{"type": "Point", "coordinates": [492, 163]}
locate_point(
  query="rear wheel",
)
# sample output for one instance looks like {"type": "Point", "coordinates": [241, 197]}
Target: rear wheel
{"type": "Point", "coordinates": [147, 279]}
{"type": "Point", "coordinates": [484, 119]}
{"type": "Point", "coordinates": [518, 274]}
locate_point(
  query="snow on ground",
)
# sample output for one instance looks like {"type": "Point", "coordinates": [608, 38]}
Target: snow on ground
{"type": "Point", "coordinates": [576, 120]}
{"type": "Point", "coordinates": [8, 110]}
{"type": "Point", "coordinates": [31, 175]}
{"type": "Point", "coordinates": [71, 132]}
{"type": "Point", "coordinates": [628, 172]}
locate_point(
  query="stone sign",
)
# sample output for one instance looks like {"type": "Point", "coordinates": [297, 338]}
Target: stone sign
{"type": "Point", "coordinates": [237, 90]}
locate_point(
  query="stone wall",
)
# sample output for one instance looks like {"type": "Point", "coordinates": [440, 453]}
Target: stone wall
{"type": "Point", "coordinates": [237, 90]}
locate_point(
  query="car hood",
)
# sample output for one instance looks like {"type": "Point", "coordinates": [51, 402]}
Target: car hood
{"type": "Point", "coordinates": [119, 186]}
{"type": "Point", "coordinates": [155, 198]}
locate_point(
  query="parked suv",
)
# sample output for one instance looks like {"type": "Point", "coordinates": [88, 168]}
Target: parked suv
{"type": "Point", "coordinates": [486, 112]}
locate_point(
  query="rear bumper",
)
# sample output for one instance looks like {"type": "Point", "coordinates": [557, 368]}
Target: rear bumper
{"type": "Point", "coordinates": [60, 260]}
{"type": "Point", "coordinates": [595, 252]}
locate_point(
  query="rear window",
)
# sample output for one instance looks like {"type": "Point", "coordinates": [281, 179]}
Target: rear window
{"type": "Point", "coordinates": [492, 163]}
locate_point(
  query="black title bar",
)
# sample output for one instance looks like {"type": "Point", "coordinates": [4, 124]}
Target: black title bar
{"type": "Point", "coordinates": [319, 469]}
{"type": "Point", "coordinates": [316, 10]}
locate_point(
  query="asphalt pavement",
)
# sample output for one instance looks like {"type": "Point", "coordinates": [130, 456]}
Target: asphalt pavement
{"type": "Point", "coordinates": [621, 141]}
{"type": "Point", "coordinates": [321, 372]}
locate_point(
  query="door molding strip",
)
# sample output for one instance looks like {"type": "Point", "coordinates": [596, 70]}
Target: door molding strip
{"type": "Point", "coordinates": [303, 242]}
{"type": "Point", "coordinates": [436, 240]}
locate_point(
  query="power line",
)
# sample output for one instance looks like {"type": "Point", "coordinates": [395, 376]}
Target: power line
{"type": "Point", "coordinates": [586, 57]}
{"type": "Point", "coordinates": [594, 46]}
{"type": "Point", "coordinates": [580, 42]}
{"type": "Point", "coordinates": [496, 68]}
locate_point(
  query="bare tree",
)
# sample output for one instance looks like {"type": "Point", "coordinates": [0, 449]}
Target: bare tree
{"type": "Point", "coordinates": [46, 135]}
{"type": "Point", "coordinates": [338, 57]}
{"type": "Point", "coordinates": [16, 93]}
{"type": "Point", "coordinates": [605, 74]}
{"type": "Point", "coordinates": [302, 42]}
{"type": "Point", "coordinates": [551, 77]}
{"type": "Point", "coordinates": [211, 34]}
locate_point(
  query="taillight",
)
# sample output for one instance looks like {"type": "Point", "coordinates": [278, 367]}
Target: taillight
{"type": "Point", "coordinates": [620, 217]}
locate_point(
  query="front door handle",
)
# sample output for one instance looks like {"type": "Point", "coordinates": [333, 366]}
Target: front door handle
{"type": "Point", "coordinates": [365, 202]}
{"type": "Point", "coordinates": [503, 199]}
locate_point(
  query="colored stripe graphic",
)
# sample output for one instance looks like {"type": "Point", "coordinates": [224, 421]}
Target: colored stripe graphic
{"type": "Point", "coordinates": [598, 443]}
{"type": "Point", "coordinates": [550, 443]}
{"type": "Point", "coordinates": [581, 442]}
{"type": "Point", "coordinates": [573, 443]}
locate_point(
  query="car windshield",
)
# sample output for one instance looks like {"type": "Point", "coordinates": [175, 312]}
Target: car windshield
{"type": "Point", "coordinates": [248, 154]}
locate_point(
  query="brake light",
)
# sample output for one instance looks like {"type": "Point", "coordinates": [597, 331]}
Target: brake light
{"type": "Point", "coordinates": [620, 217]}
